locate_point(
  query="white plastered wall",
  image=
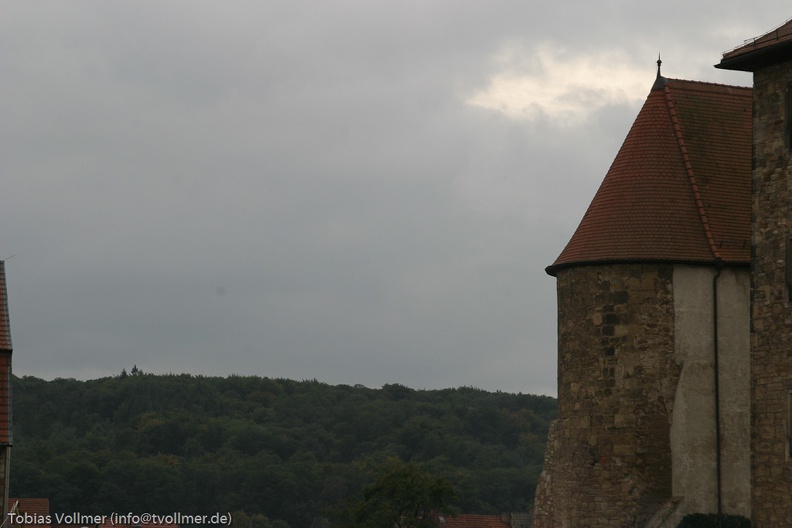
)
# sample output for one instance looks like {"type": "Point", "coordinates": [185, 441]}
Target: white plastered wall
{"type": "Point", "coordinates": [693, 443]}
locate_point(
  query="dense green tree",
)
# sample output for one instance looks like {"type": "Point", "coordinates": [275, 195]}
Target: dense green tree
{"type": "Point", "coordinates": [279, 451]}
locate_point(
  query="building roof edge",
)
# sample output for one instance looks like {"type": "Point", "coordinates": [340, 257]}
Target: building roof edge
{"type": "Point", "coordinates": [553, 269]}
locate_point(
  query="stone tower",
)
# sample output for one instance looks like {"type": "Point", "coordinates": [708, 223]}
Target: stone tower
{"type": "Point", "coordinates": [769, 57]}
{"type": "Point", "coordinates": [6, 439]}
{"type": "Point", "coordinates": [653, 324]}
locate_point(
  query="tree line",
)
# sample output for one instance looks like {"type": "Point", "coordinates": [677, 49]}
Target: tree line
{"type": "Point", "coordinates": [277, 453]}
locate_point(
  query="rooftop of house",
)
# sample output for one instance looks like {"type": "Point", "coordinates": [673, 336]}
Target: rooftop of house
{"type": "Point", "coordinates": [6, 437]}
{"type": "Point", "coordinates": [470, 520]}
{"type": "Point", "coordinates": [33, 506]}
{"type": "Point", "coordinates": [772, 47]}
{"type": "Point", "coordinates": [5, 332]}
{"type": "Point", "coordinates": [679, 189]}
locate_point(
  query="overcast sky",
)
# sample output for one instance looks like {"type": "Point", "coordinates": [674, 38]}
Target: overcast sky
{"type": "Point", "coordinates": [353, 191]}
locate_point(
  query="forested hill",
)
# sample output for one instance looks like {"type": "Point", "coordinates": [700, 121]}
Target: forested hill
{"type": "Point", "coordinates": [278, 451]}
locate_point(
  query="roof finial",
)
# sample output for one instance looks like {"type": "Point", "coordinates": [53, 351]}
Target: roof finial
{"type": "Point", "coordinates": [660, 81]}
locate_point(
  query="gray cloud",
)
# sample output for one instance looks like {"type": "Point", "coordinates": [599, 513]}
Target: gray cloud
{"type": "Point", "coordinates": [300, 189]}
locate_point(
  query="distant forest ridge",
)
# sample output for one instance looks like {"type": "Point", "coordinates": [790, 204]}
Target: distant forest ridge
{"type": "Point", "coordinates": [276, 452]}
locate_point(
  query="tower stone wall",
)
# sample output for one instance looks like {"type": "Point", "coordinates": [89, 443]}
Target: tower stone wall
{"type": "Point", "coordinates": [609, 458]}
{"type": "Point", "coordinates": [771, 311]}
{"type": "Point", "coordinates": [635, 443]}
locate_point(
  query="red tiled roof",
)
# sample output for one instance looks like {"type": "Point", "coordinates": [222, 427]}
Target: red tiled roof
{"type": "Point", "coordinates": [5, 364]}
{"type": "Point", "coordinates": [5, 330]}
{"type": "Point", "coordinates": [773, 46]}
{"type": "Point", "coordinates": [470, 520]}
{"type": "Point", "coordinates": [679, 189]}
{"type": "Point", "coordinates": [37, 506]}
{"type": "Point", "coordinates": [32, 506]}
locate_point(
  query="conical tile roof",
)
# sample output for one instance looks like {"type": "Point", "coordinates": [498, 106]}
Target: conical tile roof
{"type": "Point", "coordinates": [679, 189]}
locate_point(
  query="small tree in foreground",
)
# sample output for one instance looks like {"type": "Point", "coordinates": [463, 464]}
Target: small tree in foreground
{"type": "Point", "coordinates": [711, 520]}
{"type": "Point", "coordinates": [402, 496]}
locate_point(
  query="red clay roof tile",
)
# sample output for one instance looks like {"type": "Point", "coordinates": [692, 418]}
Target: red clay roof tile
{"type": "Point", "coordinates": [679, 189]}
{"type": "Point", "coordinates": [5, 332]}
{"type": "Point", "coordinates": [469, 520]}
{"type": "Point", "coordinates": [6, 437]}
{"type": "Point", "coordinates": [32, 506]}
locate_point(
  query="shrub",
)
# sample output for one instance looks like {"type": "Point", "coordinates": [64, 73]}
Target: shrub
{"type": "Point", "coordinates": [710, 520]}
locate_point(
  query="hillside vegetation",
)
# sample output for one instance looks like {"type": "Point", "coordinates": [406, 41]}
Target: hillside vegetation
{"type": "Point", "coordinates": [276, 451]}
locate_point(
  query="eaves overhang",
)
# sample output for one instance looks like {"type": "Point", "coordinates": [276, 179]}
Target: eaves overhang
{"type": "Point", "coordinates": [552, 270]}
{"type": "Point", "coordinates": [756, 60]}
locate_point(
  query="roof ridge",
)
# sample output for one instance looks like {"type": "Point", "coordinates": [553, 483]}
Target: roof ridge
{"type": "Point", "coordinates": [708, 83]}
{"type": "Point", "coordinates": [691, 177]}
